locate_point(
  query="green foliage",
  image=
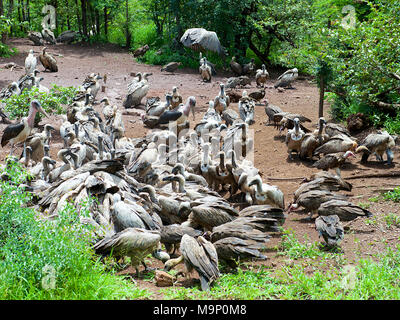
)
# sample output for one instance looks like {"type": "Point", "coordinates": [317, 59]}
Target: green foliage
{"type": "Point", "coordinates": [42, 259]}
{"type": "Point", "coordinates": [392, 219]}
{"type": "Point", "coordinates": [52, 102]}
{"type": "Point", "coordinates": [393, 195]}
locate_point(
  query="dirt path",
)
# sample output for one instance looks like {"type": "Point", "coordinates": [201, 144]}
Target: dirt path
{"type": "Point", "coordinates": [270, 156]}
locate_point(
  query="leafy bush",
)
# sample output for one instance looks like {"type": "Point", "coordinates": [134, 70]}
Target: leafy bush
{"type": "Point", "coordinates": [18, 106]}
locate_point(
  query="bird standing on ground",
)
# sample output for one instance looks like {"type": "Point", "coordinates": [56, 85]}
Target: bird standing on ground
{"type": "Point", "coordinates": [261, 76]}
{"type": "Point", "coordinates": [198, 254]}
{"type": "Point", "coordinates": [333, 161]}
{"type": "Point", "coordinates": [205, 71]}
{"type": "Point", "coordinates": [287, 78]}
{"type": "Point", "coordinates": [30, 62]}
{"type": "Point", "coordinates": [48, 61]}
{"type": "Point", "coordinates": [18, 132]}
{"type": "Point", "coordinates": [330, 228]}
{"type": "Point", "coordinates": [294, 137]}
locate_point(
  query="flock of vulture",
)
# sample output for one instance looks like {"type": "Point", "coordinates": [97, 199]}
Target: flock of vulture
{"type": "Point", "coordinates": [183, 195]}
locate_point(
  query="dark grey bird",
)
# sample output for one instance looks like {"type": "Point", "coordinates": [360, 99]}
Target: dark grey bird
{"type": "Point", "coordinates": [345, 210]}
{"type": "Point", "coordinates": [135, 243]}
{"type": "Point", "coordinates": [172, 234]}
{"type": "Point", "coordinates": [200, 255]}
{"type": "Point", "coordinates": [18, 132]}
{"type": "Point", "coordinates": [330, 229]}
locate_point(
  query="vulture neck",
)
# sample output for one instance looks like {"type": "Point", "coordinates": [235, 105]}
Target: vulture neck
{"type": "Point", "coordinates": [186, 108]}
{"type": "Point", "coordinates": [259, 185]}
{"type": "Point", "coordinates": [205, 157]}
{"type": "Point", "coordinates": [181, 183]}
{"type": "Point", "coordinates": [222, 94]}
{"type": "Point", "coordinates": [31, 117]}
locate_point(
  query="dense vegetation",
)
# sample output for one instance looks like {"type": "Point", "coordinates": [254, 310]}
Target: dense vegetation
{"type": "Point", "coordinates": [356, 43]}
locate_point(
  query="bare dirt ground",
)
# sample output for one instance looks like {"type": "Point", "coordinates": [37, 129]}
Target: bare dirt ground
{"type": "Point", "coordinates": [270, 156]}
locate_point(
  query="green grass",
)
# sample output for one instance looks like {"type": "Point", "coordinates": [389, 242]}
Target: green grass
{"type": "Point", "coordinates": [41, 259]}
{"type": "Point", "coordinates": [314, 275]}
{"type": "Point", "coordinates": [392, 219]}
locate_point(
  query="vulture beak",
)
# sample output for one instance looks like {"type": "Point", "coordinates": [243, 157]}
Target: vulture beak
{"type": "Point", "coordinates": [40, 109]}
{"type": "Point", "coordinates": [169, 178]}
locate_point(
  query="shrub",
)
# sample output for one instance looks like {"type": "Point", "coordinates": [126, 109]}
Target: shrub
{"type": "Point", "coordinates": [18, 106]}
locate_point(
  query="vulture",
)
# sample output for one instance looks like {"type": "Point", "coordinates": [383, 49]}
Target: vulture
{"type": "Point", "coordinates": [377, 143]}
{"type": "Point", "coordinates": [176, 98]}
{"type": "Point", "coordinates": [271, 110]}
{"type": "Point", "coordinates": [92, 83]}
{"type": "Point", "coordinates": [311, 200]}
{"type": "Point", "coordinates": [248, 68]}
{"type": "Point", "coordinates": [30, 62]}
{"type": "Point", "coordinates": [171, 67]}
{"type": "Point", "coordinates": [236, 67]}
{"type": "Point", "coordinates": [345, 210]}
{"type": "Point", "coordinates": [171, 235]}
{"type": "Point", "coordinates": [67, 36]}
{"type": "Point", "coordinates": [12, 89]}
{"type": "Point", "coordinates": [157, 107]}
{"type": "Point", "coordinates": [333, 161]}
{"type": "Point", "coordinates": [287, 78]}
{"type": "Point", "coordinates": [198, 254]}
{"type": "Point", "coordinates": [38, 141]}
{"type": "Point", "coordinates": [18, 132]}
{"type": "Point", "coordinates": [135, 243]}
{"type": "Point", "coordinates": [221, 101]}
{"type": "Point", "coordinates": [330, 229]}
{"type": "Point", "coordinates": [267, 194]}
{"type": "Point", "coordinates": [338, 143]}
{"type": "Point", "coordinates": [246, 108]}
{"type": "Point", "coordinates": [181, 114]}
{"type": "Point", "coordinates": [205, 71]}
{"type": "Point", "coordinates": [294, 138]}
{"type": "Point", "coordinates": [137, 90]}
{"type": "Point", "coordinates": [285, 120]}
{"type": "Point", "coordinates": [261, 76]}
{"type": "Point", "coordinates": [212, 66]}
{"type": "Point", "coordinates": [313, 140]}
{"type": "Point", "coordinates": [257, 95]}
{"type": "Point", "coordinates": [333, 129]}
{"type": "Point", "coordinates": [48, 61]}
{"type": "Point", "coordinates": [48, 36]}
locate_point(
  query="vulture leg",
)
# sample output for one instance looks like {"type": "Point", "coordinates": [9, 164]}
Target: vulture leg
{"type": "Point", "coordinates": [338, 172]}
{"type": "Point", "coordinates": [390, 156]}
{"type": "Point", "coordinates": [146, 268]}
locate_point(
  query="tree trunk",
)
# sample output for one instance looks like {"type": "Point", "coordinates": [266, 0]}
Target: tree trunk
{"type": "Point", "coordinates": [3, 35]}
{"type": "Point", "coordinates": [28, 11]}
{"type": "Point", "coordinates": [68, 19]}
{"type": "Point", "coordinates": [78, 17]}
{"type": "Point", "coordinates": [9, 12]}
{"type": "Point", "coordinates": [84, 19]}
{"type": "Point", "coordinates": [97, 18]}
{"type": "Point", "coordinates": [321, 96]}
{"type": "Point", "coordinates": [105, 22]}
{"type": "Point", "coordinates": [128, 33]}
